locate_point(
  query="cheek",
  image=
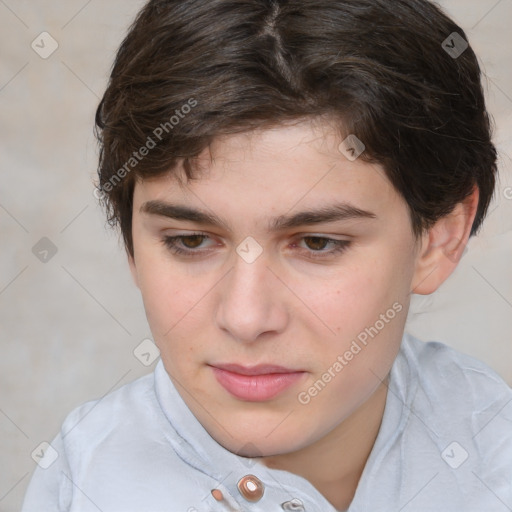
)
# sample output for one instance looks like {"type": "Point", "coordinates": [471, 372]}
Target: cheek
{"type": "Point", "coordinates": [176, 306]}
{"type": "Point", "coordinates": [355, 297]}
{"type": "Point", "coordinates": [167, 295]}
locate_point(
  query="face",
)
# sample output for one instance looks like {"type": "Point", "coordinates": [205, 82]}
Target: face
{"type": "Point", "coordinates": [274, 324]}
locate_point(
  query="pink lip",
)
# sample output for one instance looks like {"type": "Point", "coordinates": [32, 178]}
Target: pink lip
{"type": "Point", "coordinates": [255, 383]}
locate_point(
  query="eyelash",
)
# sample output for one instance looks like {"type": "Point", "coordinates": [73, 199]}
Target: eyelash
{"type": "Point", "coordinates": [170, 243]}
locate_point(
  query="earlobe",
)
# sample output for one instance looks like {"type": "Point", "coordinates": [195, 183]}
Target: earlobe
{"type": "Point", "coordinates": [443, 246]}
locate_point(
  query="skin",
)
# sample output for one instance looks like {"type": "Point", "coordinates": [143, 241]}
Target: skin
{"type": "Point", "coordinates": [287, 307]}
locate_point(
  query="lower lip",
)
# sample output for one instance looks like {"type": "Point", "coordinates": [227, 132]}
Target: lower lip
{"type": "Point", "coordinates": [256, 388]}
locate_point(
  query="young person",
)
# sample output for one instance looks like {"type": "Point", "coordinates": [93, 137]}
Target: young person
{"type": "Point", "coordinates": [285, 175]}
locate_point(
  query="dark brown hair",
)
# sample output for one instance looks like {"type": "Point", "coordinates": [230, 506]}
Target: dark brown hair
{"type": "Point", "coordinates": [191, 70]}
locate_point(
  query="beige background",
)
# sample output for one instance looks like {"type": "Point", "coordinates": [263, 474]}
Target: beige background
{"type": "Point", "coordinates": [68, 327]}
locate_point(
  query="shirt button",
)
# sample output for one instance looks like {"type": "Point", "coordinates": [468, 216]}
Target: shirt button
{"type": "Point", "coordinates": [217, 494]}
{"type": "Point", "coordinates": [294, 504]}
{"type": "Point", "coordinates": [251, 488]}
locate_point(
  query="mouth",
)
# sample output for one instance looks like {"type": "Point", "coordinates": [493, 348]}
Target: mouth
{"type": "Point", "coordinates": [256, 383]}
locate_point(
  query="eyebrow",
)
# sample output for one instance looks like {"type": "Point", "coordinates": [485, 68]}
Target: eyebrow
{"type": "Point", "coordinates": [325, 214]}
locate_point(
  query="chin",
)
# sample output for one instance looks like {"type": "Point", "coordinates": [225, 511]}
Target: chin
{"type": "Point", "coordinates": [261, 445]}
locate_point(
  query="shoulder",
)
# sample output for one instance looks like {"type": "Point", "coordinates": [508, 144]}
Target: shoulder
{"type": "Point", "coordinates": [80, 440]}
{"type": "Point", "coordinates": [457, 394]}
{"type": "Point", "coordinates": [126, 439]}
{"type": "Point", "coordinates": [450, 419]}
{"type": "Point", "coordinates": [123, 438]}
{"type": "Point", "coordinates": [127, 403]}
{"type": "Point", "coordinates": [129, 415]}
{"type": "Point", "coordinates": [444, 367]}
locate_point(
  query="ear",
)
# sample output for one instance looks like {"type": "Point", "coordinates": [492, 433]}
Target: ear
{"type": "Point", "coordinates": [443, 245]}
{"type": "Point", "coordinates": [133, 269]}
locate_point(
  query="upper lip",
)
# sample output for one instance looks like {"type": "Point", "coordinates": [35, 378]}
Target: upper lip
{"type": "Point", "coordinates": [260, 369]}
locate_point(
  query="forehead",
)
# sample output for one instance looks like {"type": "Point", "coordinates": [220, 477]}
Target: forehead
{"type": "Point", "coordinates": [264, 174]}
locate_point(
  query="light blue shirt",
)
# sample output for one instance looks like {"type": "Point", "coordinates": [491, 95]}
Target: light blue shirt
{"type": "Point", "coordinates": [444, 445]}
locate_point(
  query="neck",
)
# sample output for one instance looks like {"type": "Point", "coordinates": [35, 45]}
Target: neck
{"type": "Point", "coordinates": [334, 463]}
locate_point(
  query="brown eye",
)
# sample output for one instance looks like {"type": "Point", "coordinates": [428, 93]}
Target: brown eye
{"type": "Point", "coordinates": [192, 241]}
{"type": "Point", "coordinates": [316, 243]}
{"type": "Point", "coordinates": [186, 245]}
{"type": "Point", "coordinates": [318, 247]}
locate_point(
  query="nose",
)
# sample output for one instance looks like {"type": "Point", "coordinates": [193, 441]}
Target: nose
{"type": "Point", "coordinates": [251, 301]}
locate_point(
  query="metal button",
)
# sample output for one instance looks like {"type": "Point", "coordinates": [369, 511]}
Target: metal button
{"type": "Point", "coordinates": [251, 488]}
{"type": "Point", "coordinates": [217, 494]}
{"type": "Point", "coordinates": [294, 504]}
